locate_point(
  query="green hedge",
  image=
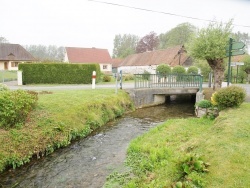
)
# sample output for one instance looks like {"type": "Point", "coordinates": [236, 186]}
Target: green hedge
{"type": "Point", "coordinates": [58, 73]}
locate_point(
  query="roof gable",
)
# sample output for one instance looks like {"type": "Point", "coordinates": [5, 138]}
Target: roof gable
{"type": "Point", "coordinates": [171, 56]}
{"type": "Point", "coordinates": [14, 52]}
{"type": "Point", "coordinates": [88, 55]}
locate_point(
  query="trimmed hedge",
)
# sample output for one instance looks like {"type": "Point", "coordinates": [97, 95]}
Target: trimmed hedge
{"type": "Point", "coordinates": [58, 73]}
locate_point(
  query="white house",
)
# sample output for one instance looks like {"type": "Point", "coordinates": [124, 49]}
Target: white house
{"type": "Point", "coordinates": [89, 55]}
{"type": "Point", "coordinates": [148, 61]}
{"type": "Point", "coordinates": [13, 54]}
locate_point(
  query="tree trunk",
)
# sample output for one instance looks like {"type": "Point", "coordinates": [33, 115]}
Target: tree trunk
{"type": "Point", "coordinates": [218, 68]}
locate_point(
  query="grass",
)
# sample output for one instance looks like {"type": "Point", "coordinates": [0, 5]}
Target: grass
{"type": "Point", "coordinates": [59, 118]}
{"type": "Point", "coordinates": [156, 158]}
{"type": "Point", "coordinates": [8, 75]}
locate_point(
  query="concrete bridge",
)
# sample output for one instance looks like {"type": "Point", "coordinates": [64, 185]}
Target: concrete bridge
{"type": "Point", "coordinates": [152, 90]}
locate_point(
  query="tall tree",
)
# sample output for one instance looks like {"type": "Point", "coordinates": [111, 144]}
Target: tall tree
{"type": "Point", "coordinates": [124, 45]}
{"type": "Point", "coordinates": [179, 35]}
{"type": "Point", "coordinates": [46, 53]}
{"type": "Point", "coordinates": [244, 37]}
{"type": "Point", "coordinates": [149, 42]}
{"type": "Point", "coordinates": [3, 40]}
{"type": "Point", "coordinates": [246, 67]}
{"type": "Point", "coordinates": [210, 44]}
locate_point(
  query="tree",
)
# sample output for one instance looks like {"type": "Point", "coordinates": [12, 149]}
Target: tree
{"type": "Point", "coordinates": [210, 44]}
{"type": "Point", "coordinates": [148, 43]}
{"type": "Point", "coordinates": [124, 45]}
{"type": "Point", "coordinates": [3, 40]}
{"type": "Point", "coordinates": [243, 37]}
{"type": "Point", "coordinates": [163, 69]}
{"type": "Point", "coordinates": [46, 53]}
{"type": "Point", "coordinates": [179, 35]}
{"type": "Point", "coordinates": [246, 67]}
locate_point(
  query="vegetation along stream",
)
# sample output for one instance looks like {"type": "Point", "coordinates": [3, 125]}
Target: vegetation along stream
{"type": "Point", "coordinates": [87, 162]}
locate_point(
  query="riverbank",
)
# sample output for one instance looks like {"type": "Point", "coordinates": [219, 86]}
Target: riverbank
{"type": "Point", "coordinates": [59, 118]}
{"type": "Point", "coordinates": [200, 152]}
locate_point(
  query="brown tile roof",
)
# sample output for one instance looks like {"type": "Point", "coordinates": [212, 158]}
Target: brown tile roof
{"type": "Point", "coordinates": [14, 52]}
{"type": "Point", "coordinates": [169, 56]}
{"type": "Point", "coordinates": [116, 62]}
{"type": "Point", "coordinates": [88, 55]}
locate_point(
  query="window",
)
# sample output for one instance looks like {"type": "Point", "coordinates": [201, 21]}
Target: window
{"type": "Point", "coordinates": [14, 64]}
{"type": "Point", "coordinates": [105, 67]}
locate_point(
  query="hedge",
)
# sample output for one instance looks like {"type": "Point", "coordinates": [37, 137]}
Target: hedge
{"type": "Point", "coordinates": [58, 73]}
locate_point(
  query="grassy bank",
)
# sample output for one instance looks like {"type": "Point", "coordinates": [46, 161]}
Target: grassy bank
{"type": "Point", "coordinates": [59, 118]}
{"type": "Point", "coordinates": [167, 156]}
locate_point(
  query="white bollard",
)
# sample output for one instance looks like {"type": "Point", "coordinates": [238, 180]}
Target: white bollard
{"type": "Point", "coordinates": [19, 78]}
{"type": "Point", "coordinates": [93, 79]}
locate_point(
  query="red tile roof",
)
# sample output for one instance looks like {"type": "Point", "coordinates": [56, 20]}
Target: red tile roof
{"type": "Point", "coordinates": [88, 55]}
{"type": "Point", "coordinates": [168, 56]}
{"type": "Point", "coordinates": [116, 62]}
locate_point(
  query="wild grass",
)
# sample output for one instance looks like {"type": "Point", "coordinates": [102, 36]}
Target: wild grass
{"type": "Point", "coordinates": [156, 158]}
{"type": "Point", "coordinates": [59, 118]}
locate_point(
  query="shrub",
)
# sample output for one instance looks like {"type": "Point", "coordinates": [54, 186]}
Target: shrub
{"type": "Point", "coordinates": [146, 75]}
{"type": "Point", "coordinates": [128, 77]}
{"type": "Point", "coordinates": [3, 87]}
{"type": "Point", "coordinates": [178, 70]}
{"type": "Point", "coordinates": [163, 69]}
{"type": "Point", "coordinates": [231, 96]}
{"type": "Point", "coordinates": [192, 70]}
{"type": "Point", "coordinates": [15, 106]}
{"type": "Point", "coordinates": [58, 73]}
{"type": "Point", "coordinates": [106, 78]}
{"type": "Point", "coordinates": [204, 104]}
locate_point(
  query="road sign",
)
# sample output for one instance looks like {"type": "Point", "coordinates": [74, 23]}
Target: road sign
{"type": "Point", "coordinates": [236, 52]}
{"type": "Point", "coordinates": [237, 63]}
{"type": "Point", "coordinates": [236, 46]}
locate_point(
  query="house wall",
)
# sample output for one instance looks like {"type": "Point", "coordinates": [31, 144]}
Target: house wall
{"type": "Point", "coordinates": [12, 65]}
{"type": "Point", "coordinates": [106, 67]}
{"type": "Point", "coordinates": [66, 59]}
{"type": "Point", "coordinates": [137, 69]}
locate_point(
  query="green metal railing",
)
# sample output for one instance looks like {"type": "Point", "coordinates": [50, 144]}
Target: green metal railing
{"type": "Point", "coordinates": [168, 80]}
{"type": "Point", "coordinates": [6, 76]}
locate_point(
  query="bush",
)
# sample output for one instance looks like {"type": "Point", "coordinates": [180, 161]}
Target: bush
{"type": "Point", "coordinates": [146, 75]}
{"type": "Point", "coordinates": [15, 106]}
{"type": "Point", "coordinates": [178, 70]}
{"type": "Point", "coordinates": [204, 104]}
{"type": "Point", "coordinates": [163, 69]}
{"type": "Point", "coordinates": [58, 73]}
{"type": "Point", "coordinates": [106, 78]}
{"type": "Point", "coordinates": [3, 87]}
{"type": "Point", "coordinates": [128, 77]}
{"type": "Point", "coordinates": [231, 96]}
{"type": "Point", "coordinates": [192, 70]}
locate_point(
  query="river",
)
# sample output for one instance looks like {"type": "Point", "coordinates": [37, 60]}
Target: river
{"type": "Point", "coordinates": [87, 162]}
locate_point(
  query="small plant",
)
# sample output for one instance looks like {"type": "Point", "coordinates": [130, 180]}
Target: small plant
{"type": "Point", "coordinates": [204, 104]}
{"type": "Point", "coordinates": [231, 96]}
{"type": "Point", "coordinates": [178, 70]}
{"type": "Point", "coordinates": [192, 169]}
{"type": "Point", "coordinates": [146, 75]}
{"type": "Point", "coordinates": [3, 87]}
{"type": "Point", "coordinates": [106, 78]}
{"type": "Point", "coordinates": [192, 70]}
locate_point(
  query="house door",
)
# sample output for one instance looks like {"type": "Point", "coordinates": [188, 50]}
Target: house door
{"type": "Point", "coordinates": [5, 65]}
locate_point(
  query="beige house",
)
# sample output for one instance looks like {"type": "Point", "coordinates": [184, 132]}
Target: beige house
{"type": "Point", "coordinates": [13, 54]}
{"type": "Point", "coordinates": [89, 55]}
{"type": "Point", "coordinates": [148, 61]}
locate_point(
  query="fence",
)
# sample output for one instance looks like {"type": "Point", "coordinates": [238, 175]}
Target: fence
{"type": "Point", "coordinates": [169, 80]}
{"type": "Point", "coordinates": [6, 76]}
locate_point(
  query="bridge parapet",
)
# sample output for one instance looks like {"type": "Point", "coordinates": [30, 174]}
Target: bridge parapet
{"type": "Point", "coordinates": [168, 81]}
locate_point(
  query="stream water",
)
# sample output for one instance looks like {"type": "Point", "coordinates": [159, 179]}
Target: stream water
{"type": "Point", "coordinates": [87, 162]}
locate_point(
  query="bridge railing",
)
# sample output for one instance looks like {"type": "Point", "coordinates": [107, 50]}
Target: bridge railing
{"type": "Point", "coordinates": [168, 80]}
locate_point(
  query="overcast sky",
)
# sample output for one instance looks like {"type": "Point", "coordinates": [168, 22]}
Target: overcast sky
{"type": "Point", "coordinates": [83, 23]}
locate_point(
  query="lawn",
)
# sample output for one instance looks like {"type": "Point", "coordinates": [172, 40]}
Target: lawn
{"type": "Point", "coordinates": [166, 156]}
{"type": "Point", "coordinates": [59, 118]}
